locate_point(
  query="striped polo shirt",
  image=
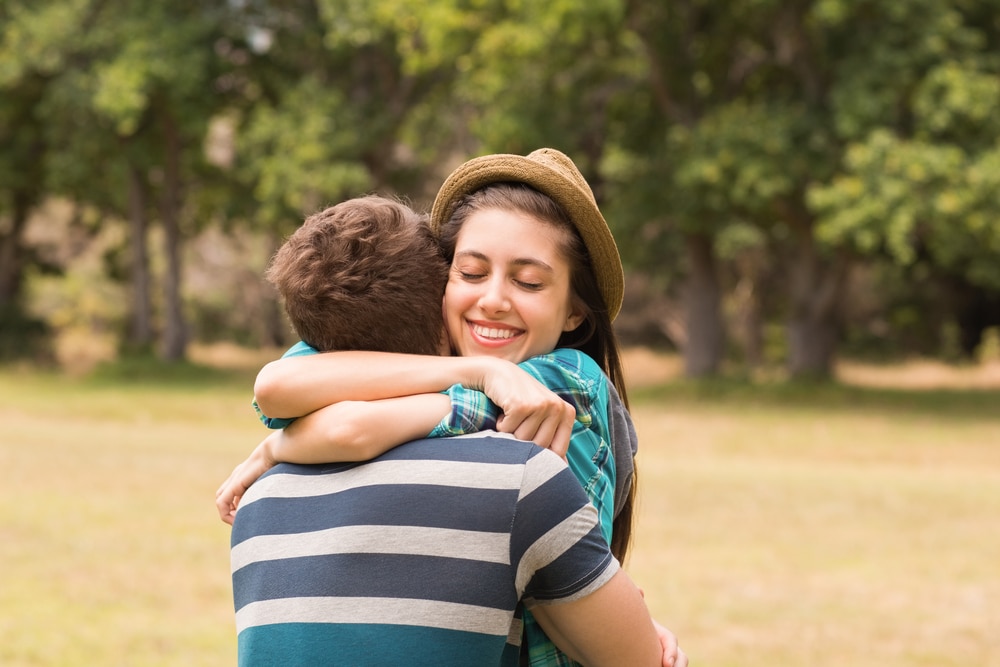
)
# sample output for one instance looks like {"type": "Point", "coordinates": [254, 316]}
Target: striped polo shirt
{"type": "Point", "coordinates": [421, 556]}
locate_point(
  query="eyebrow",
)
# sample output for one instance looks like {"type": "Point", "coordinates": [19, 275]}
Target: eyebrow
{"type": "Point", "coordinates": [520, 261]}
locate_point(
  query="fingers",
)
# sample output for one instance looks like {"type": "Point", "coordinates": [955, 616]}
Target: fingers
{"type": "Point", "coordinates": [673, 656]}
{"type": "Point", "coordinates": [561, 439]}
{"type": "Point", "coordinates": [550, 427]}
{"type": "Point", "coordinates": [227, 498]}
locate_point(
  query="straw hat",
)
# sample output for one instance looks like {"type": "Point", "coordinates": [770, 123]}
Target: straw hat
{"type": "Point", "coordinates": [554, 174]}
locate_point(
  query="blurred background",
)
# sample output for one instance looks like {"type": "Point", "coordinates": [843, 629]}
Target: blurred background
{"type": "Point", "coordinates": [806, 196]}
{"type": "Point", "coordinates": [790, 182]}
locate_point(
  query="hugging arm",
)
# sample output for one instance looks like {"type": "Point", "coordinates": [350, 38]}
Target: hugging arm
{"type": "Point", "coordinates": [346, 431]}
{"type": "Point", "coordinates": [360, 430]}
{"type": "Point", "coordinates": [296, 386]}
{"type": "Point", "coordinates": [589, 633]}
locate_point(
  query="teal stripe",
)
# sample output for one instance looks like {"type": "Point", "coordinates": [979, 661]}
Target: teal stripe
{"type": "Point", "coordinates": [363, 645]}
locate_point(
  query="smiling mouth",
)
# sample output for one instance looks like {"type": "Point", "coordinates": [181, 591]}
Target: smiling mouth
{"type": "Point", "coordinates": [493, 333]}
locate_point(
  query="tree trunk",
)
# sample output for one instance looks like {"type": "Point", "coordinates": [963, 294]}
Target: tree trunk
{"type": "Point", "coordinates": [705, 333]}
{"type": "Point", "coordinates": [12, 257]}
{"type": "Point", "coordinates": [750, 321]}
{"type": "Point", "coordinates": [817, 286]}
{"type": "Point", "coordinates": [140, 335]}
{"type": "Point", "coordinates": [175, 328]}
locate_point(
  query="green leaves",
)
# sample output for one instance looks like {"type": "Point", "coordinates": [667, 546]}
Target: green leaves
{"type": "Point", "coordinates": [958, 103]}
{"type": "Point", "coordinates": [305, 153]}
{"type": "Point", "coordinates": [911, 196]}
{"type": "Point", "coordinates": [37, 36]}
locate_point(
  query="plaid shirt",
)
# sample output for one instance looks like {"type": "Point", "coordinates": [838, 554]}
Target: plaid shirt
{"type": "Point", "coordinates": [578, 380]}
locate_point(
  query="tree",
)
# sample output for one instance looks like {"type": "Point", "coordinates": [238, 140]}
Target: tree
{"type": "Point", "coordinates": [32, 50]}
{"type": "Point", "coordinates": [919, 183]}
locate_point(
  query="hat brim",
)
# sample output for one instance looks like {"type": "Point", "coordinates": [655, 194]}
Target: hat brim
{"type": "Point", "coordinates": [564, 185]}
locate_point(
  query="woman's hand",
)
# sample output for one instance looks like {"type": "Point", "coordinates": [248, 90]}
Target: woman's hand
{"type": "Point", "coordinates": [530, 410]}
{"type": "Point", "coordinates": [227, 498]}
{"type": "Point", "coordinates": [673, 656]}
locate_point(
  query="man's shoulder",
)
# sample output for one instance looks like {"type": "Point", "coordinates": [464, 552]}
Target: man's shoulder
{"type": "Point", "coordinates": [486, 447]}
{"type": "Point", "coordinates": [482, 446]}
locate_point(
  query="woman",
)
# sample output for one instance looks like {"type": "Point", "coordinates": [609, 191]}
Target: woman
{"type": "Point", "coordinates": [534, 271]}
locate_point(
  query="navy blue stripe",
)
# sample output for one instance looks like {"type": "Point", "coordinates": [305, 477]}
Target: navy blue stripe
{"type": "Point", "coordinates": [375, 575]}
{"type": "Point", "coordinates": [549, 583]}
{"type": "Point", "coordinates": [544, 508]}
{"type": "Point", "coordinates": [486, 510]}
{"type": "Point", "coordinates": [485, 449]}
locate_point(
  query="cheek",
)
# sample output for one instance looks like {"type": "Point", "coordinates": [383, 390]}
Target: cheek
{"type": "Point", "coordinates": [458, 293]}
{"type": "Point", "coordinates": [453, 301]}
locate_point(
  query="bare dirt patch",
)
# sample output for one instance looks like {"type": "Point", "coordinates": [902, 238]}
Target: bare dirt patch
{"type": "Point", "coordinates": [232, 356]}
{"type": "Point", "coordinates": [645, 367]}
{"type": "Point", "coordinates": [920, 374]}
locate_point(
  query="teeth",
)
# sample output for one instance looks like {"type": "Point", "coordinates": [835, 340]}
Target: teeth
{"type": "Point", "coordinates": [488, 332]}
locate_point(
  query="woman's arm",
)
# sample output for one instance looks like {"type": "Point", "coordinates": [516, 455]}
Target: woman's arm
{"type": "Point", "coordinates": [296, 386]}
{"type": "Point", "coordinates": [347, 431]}
{"type": "Point", "coordinates": [360, 430]}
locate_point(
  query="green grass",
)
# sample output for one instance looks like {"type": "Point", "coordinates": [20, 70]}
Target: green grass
{"type": "Point", "coordinates": [779, 524]}
{"type": "Point", "coordinates": [821, 525]}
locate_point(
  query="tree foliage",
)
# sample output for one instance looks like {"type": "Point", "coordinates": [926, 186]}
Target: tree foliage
{"type": "Point", "coordinates": [753, 155]}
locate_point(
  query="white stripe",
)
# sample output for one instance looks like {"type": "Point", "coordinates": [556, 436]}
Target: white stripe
{"type": "Point", "coordinates": [554, 544]}
{"type": "Point", "coordinates": [409, 540]}
{"type": "Point", "coordinates": [390, 611]}
{"type": "Point", "coordinates": [443, 473]}
{"type": "Point", "coordinates": [540, 469]}
{"type": "Point", "coordinates": [516, 629]}
{"type": "Point", "coordinates": [486, 434]}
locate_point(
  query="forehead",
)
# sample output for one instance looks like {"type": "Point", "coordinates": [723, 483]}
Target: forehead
{"type": "Point", "coordinates": [496, 229]}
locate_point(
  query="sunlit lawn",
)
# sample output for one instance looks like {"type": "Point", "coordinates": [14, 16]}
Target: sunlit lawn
{"type": "Point", "coordinates": [777, 531]}
{"type": "Point", "coordinates": [778, 526]}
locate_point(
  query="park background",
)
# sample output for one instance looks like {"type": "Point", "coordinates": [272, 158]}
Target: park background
{"type": "Point", "coordinates": [806, 195]}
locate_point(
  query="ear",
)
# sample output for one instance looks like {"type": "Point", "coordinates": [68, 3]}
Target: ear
{"type": "Point", "coordinates": [577, 314]}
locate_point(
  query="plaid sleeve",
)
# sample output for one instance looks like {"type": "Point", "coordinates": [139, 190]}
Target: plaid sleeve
{"type": "Point", "coordinates": [271, 422]}
{"type": "Point", "coordinates": [471, 411]}
{"type": "Point", "coordinates": [572, 375]}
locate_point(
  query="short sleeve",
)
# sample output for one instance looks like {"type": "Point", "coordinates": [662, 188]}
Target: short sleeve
{"type": "Point", "coordinates": [471, 412]}
{"type": "Point", "coordinates": [300, 349]}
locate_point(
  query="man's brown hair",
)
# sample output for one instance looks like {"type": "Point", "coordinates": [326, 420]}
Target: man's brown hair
{"type": "Point", "coordinates": [366, 274]}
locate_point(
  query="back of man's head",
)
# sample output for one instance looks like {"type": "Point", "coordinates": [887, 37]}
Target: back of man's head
{"type": "Point", "coordinates": [366, 274]}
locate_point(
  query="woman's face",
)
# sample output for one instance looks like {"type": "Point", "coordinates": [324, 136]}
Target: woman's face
{"type": "Point", "coordinates": [508, 292]}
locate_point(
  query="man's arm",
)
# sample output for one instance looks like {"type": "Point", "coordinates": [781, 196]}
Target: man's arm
{"type": "Point", "coordinates": [347, 431]}
{"type": "Point", "coordinates": [611, 626]}
{"type": "Point", "coordinates": [574, 588]}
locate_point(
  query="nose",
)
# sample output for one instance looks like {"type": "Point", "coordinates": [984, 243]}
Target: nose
{"type": "Point", "coordinates": [494, 296]}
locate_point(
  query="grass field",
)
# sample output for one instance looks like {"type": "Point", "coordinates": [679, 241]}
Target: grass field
{"type": "Point", "coordinates": [779, 524]}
